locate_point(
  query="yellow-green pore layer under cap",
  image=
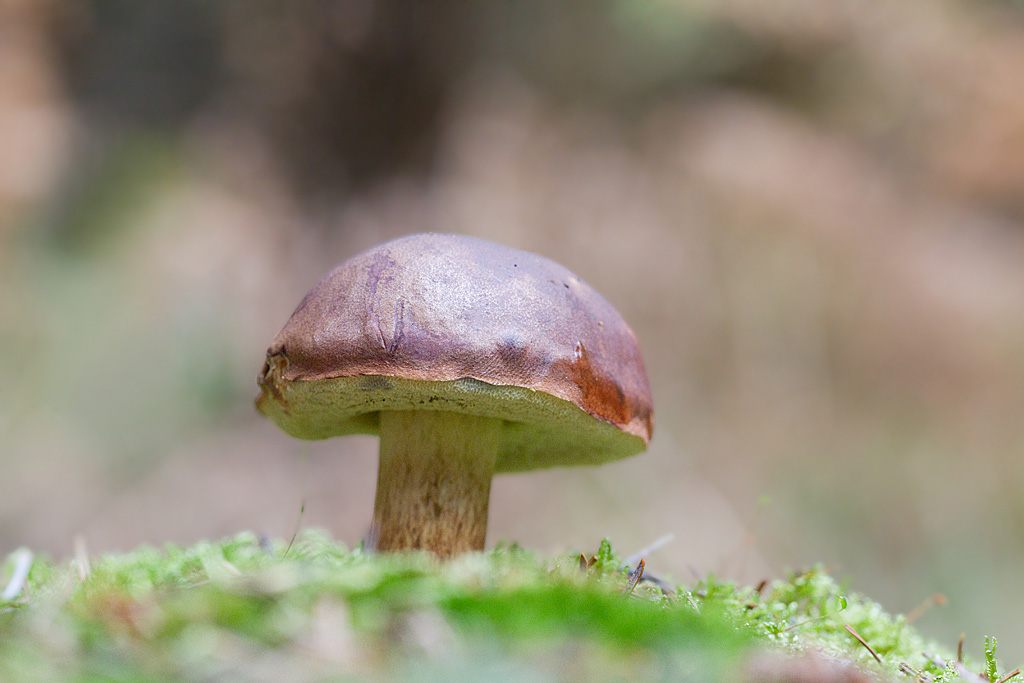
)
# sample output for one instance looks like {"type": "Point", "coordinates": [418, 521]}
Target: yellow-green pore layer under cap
{"type": "Point", "coordinates": [538, 430]}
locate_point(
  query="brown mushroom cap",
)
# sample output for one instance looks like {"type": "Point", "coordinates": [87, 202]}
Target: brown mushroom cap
{"type": "Point", "coordinates": [453, 323]}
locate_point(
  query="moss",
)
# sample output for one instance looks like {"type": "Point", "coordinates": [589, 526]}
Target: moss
{"type": "Point", "coordinates": [245, 608]}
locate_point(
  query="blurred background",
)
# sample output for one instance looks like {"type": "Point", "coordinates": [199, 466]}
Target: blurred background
{"type": "Point", "coordinates": [812, 215]}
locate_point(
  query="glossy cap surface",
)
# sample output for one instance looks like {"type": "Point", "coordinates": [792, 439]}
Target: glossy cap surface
{"type": "Point", "coordinates": [448, 322]}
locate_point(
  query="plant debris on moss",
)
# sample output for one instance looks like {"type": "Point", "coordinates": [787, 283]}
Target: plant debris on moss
{"type": "Point", "coordinates": [254, 610]}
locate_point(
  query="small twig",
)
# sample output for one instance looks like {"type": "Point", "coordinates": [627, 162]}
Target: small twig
{"type": "Point", "coordinates": [966, 674]}
{"type": "Point", "coordinates": [583, 562]}
{"type": "Point", "coordinates": [842, 606]}
{"type": "Point", "coordinates": [644, 552]}
{"type": "Point", "coordinates": [863, 642]}
{"type": "Point", "coordinates": [911, 671]}
{"type": "Point", "coordinates": [937, 599]}
{"type": "Point", "coordinates": [22, 564]}
{"type": "Point", "coordinates": [298, 525]}
{"type": "Point", "coordinates": [1004, 679]}
{"type": "Point", "coordinates": [960, 648]}
{"type": "Point", "coordinates": [82, 557]}
{"type": "Point", "coordinates": [634, 577]}
{"type": "Point", "coordinates": [804, 623]}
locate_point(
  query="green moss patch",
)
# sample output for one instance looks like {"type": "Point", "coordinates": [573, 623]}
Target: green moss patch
{"type": "Point", "coordinates": [246, 609]}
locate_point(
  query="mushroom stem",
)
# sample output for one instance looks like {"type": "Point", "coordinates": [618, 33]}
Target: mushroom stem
{"type": "Point", "coordinates": [434, 481]}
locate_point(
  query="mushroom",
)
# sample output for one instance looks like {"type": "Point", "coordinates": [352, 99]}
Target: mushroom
{"type": "Point", "coordinates": [467, 358]}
